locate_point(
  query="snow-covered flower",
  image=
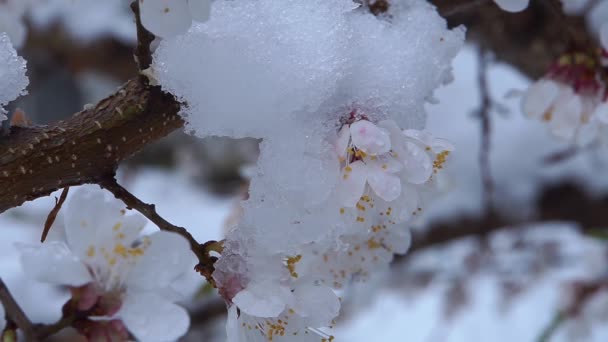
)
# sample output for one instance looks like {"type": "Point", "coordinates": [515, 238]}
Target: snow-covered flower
{"type": "Point", "coordinates": [269, 301]}
{"type": "Point", "coordinates": [310, 306]}
{"type": "Point", "coordinates": [571, 98]}
{"type": "Point", "coordinates": [386, 159]}
{"type": "Point", "coordinates": [513, 5]}
{"type": "Point", "coordinates": [12, 72]}
{"type": "Point", "coordinates": [168, 18]}
{"type": "Point", "coordinates": [111, 270]}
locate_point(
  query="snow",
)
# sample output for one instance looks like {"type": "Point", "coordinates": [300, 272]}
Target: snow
{"type": "Point", "coordinates": [12, 74]}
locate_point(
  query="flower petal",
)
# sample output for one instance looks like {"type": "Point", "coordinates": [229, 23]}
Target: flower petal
{"type": "Point", "coordinates": [152, 318]}
{"type": "Point", "coordinates": [601, 112]}
{"type": "Point", "coordinates": [539, 98]}
{"type": "Point", "coordinates": [167, 257]}
{"type": "Point", "coordinates": [418, 166]}
{"type": "Point", "coordinates": [52, 262]}
{"type": "Point", "coordinates": [385, 184]}
{"type": "Point", "coordinates": [352, 184]}
{"type": "Point", "coordinates": [263, 299]}
{"type": "Point", "coordinates": [342, 142]}
{"type": "Point", "coordinates": [317, 302]}
{"type": "Point", "coordinates": [370, 138]}
{"type": "Point", "coordinates": [200, 9]}
{"type": "Point", "coordinates": [566, 116]}
{"type": "Point", "coordinates": [165, 18]}
{"type": "Point", "coordinates": [91, 220]}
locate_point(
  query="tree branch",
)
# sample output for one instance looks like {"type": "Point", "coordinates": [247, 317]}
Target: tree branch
{"type": "Point", "coordinates": [53, 214]}
{"type": "Point", "coordinates": [35, 161]}
{"type": "Point", "coordinates": [16, 314]}
{"type": "Point", "coordinates": [149, 211]}
{"type": "Point", "coordinates": [530, 40]}
{"type": "Point", "coordinates": [142, 52]}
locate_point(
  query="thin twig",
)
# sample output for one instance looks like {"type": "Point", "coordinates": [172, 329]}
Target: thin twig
{"type": "Point", "coordinates": [486, 131]}
{"type": "Point", "coordinates": [142, 52]}
{"type": "Point", "coordinates": [53, 214]}
{"type": "Point", "coordinates": [551, 328]}
{"type": "Point", "coordinates": [16, 314]}
{"type": "Point", "coordinates": [149, 211]}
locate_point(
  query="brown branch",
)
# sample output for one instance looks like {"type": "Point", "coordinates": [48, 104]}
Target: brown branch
{"type": "Point", "coordinates": [16, 314]}
{"type": "Point", "coordinates": [530, 40]}
{"type": "Point", "coordinates": [142, 52]}
{"type": "Point", "coordinates": [35, 161]}
{"type": "Point", "coordinates": [53, 214]}
{"type": "Point", "coordinates": [561, 202]}
{"type": "Point", "coordinates": [486, 131]}
{"type": "Point", "coordinates": [149, 211]}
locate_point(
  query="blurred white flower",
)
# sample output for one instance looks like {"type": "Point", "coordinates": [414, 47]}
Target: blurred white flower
{"type": "Point", "coordinates": [513, 5]}
{"type": "Point", "coordinates": [391, 161]}
{"type": "Point", "coordinates": [309, 305]}
{"type": "Point", "coordinates": [168, 18]}
{"type": "Point", "coordinates": [571, 99]}
{"type": "Point", "coordinates": [116, 273]}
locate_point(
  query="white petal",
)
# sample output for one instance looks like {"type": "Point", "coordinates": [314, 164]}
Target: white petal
{"type": "Point", "coordinates": [407, 204]}
{"type": "Point", "coordinates": [421, 137]}
{"type": "Point", "coordinates": [512, 5]}
{"type": "Point", "coordinates": [166, 258]}
{"type": "Point", "coordinates": [233, 330]}
{"type": "Point", "coordinates": [165, 18]}
{"type": "Point", "coordinates": [566, 116]}
{"type": "Point", "coordinates": [91, 220]}
{"type": "Point", "coordinates": [604, 35]}
{"type": "Point", "coordinates": [352, 184]}
{"type": "Point", "coordinates": [384, 184]}
{"type": "Point", "coordinates": [152, 318]}
{"type": "Point", "coordinates": [263, 299]}
{"type": "Point", "coordinates": [200, 9]}
{"type": "Point", "coordinates": [418, 166]}
{"type": "Point", "coordinates": [587, 133]}
{"type": "Point", "coordinates": [317, 302]}
{"type": "Point", "coordinates": [601, 113]}
{"type": "Point", "coordinates": [539, 98]}
{"type": "Point", "coordinates": [440, 145]}
{"type": "Point", "coordinates": [54, 263]}
{"type": "Point", "coordinates": [342, 142]}
{"type": "Point", "coordinates": [370, 138]}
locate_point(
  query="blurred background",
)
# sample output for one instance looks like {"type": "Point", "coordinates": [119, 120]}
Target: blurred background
{"type": "Point", "coordinates": [525, 262]}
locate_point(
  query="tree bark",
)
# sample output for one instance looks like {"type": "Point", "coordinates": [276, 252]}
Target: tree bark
{"type": "Point", "coordinates": [35, 161]}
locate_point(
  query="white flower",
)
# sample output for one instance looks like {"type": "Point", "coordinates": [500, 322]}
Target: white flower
{"type": "Point", "coordinates": [364, 150]}
{"type": "Point", "coordinates": [168, 18]}
{"type": "Point", "coordinates": [513, 5]}
{"type": "Point", "coordinates": [387, 159]}
{"type": "Point", "coordinates": [116, 273]}
{"type": "Point", "coordinates": [310, 305]}
{"type": "Point", "coordinates": [569, 99]}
